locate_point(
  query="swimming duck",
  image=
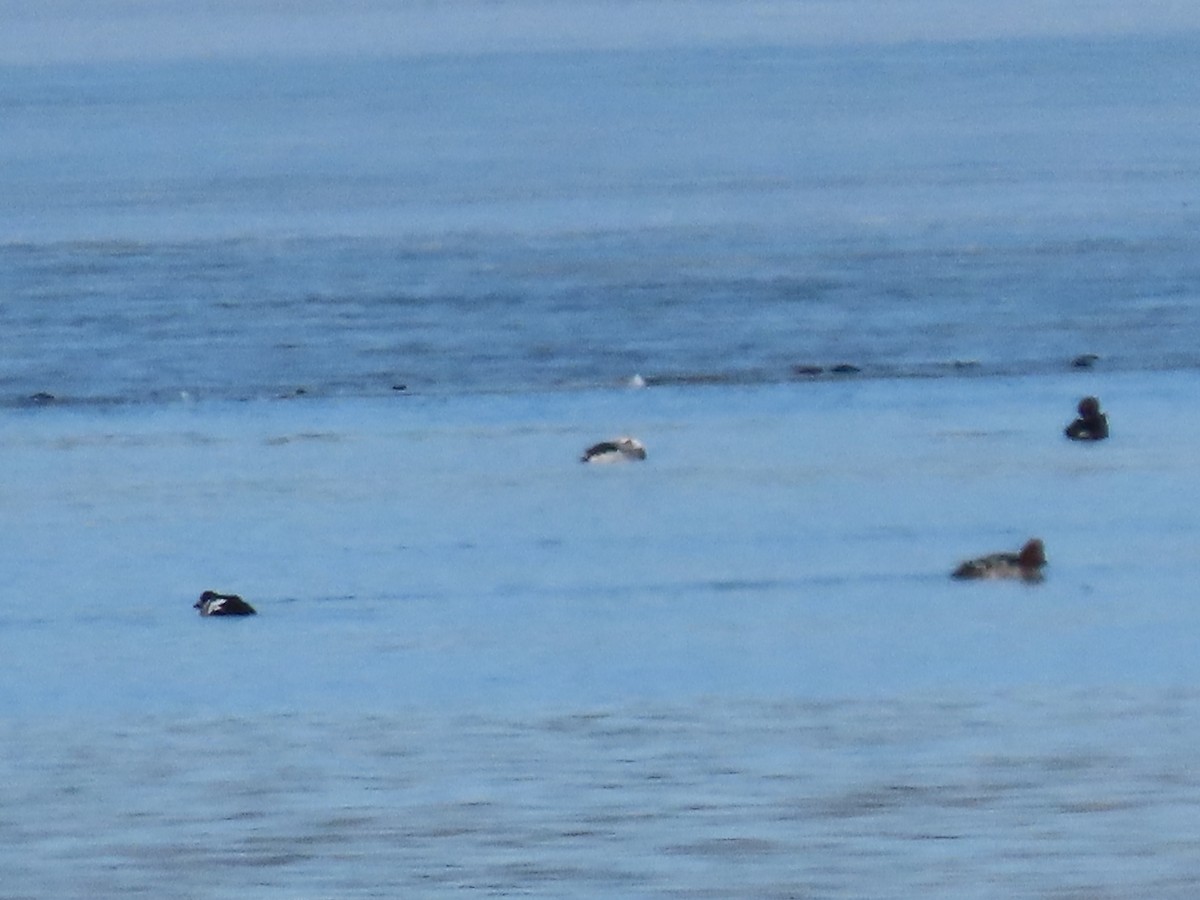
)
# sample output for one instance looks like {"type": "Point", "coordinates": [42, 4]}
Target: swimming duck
{"type": "Point", "coordinates": [213, 604]}
{"type": "Point", "coordinates": [623, 449]}
{"type": "Point", "coordinates": [1092, 425]}
{"type": "Point", "coordinates": [1026, 564]}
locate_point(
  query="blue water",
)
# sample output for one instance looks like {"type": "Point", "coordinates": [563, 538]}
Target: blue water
{"type": "Point", "coordinates": [331, 330]}
{"type": "Point", "coordinates": [532, 221]}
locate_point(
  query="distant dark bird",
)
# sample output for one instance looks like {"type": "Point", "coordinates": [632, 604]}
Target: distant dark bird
{"type": "Point", "coordinates": [1092, 425]}
{"type": "Point", "coordinates": [623, 449]}
{"type": "Point", "coordinates": [1027, 564]}
{"type": "Point", "coordinates": [1084, 361]}
{"type": "Point", "coordinates": [213, 604]}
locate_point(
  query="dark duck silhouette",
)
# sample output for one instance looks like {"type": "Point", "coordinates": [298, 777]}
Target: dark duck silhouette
{"type": "Point", "coordinates": [1092, 425]}
{"type": "Point", "coordinates": [213, 604]}
{"type": "Point", "coordinates": [623, 449]}
{"type": "Point", "coordinates": [1026, 564]}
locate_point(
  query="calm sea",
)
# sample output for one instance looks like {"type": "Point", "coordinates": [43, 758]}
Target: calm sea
{"type": "Point", "coordinates": [332, 330]}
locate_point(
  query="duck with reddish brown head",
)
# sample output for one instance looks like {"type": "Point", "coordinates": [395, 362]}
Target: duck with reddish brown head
{"type": "Point", "coordinates": [1026, 564]}
{"type": "Point", "coordinates": [1092, 425]}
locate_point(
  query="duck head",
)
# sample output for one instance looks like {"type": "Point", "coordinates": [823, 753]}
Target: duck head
{"type": "Point", "coordinates": [1032, 555]}
{"type": "Point", "coordinates": [631, 447]}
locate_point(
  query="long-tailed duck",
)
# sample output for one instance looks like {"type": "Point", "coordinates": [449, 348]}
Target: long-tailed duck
{"type": "Point", "coordinates": [1026, 564]}
{"type": "Point", "coordinates": [623, 449]}
{"type": "Point", "coordinates": [213, 604]}
{"type": "Point", "coordinates": [1092, 425]}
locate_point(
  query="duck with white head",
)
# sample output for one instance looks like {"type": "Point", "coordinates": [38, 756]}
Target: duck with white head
{"type": "Point", "coordinates": [622, 449]}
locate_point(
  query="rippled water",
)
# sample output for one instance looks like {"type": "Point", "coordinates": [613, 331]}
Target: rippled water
{"type": "Point", "coordinates": [737, 668]}
{"type": "Point", "coordinates": [331, 330]}
{"type": "Point", "coordinates": [1016, 795]}
{"type": "Point", "coordinates": [235, 229]}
